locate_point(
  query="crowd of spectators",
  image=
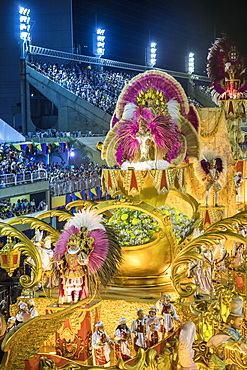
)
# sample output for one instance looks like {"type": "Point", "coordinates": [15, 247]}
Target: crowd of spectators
{"type": "Point", "coordinates": [21, 207]}
{"type": "Point", "coordinates": [100, 88]}
{"type": "Point", "coordinates": [206, 89]}
{"type": "Point", "coordinates": [19, 165]}
{"type": "Point", "coordinates": [195, 102]}
{"type": "Point", "coordinates": [62, 134]}
{"type": "Point", "coordinates": [65, 180]}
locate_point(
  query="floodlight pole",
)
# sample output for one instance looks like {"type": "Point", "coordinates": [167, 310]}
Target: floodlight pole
{"type": "Point", "coordinates": [23, 90]}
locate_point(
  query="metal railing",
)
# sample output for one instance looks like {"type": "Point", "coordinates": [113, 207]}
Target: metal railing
{"type": "Point", "coordinates": [65, 187]}
{"type": "Point", "coordinates": [11, 179]}
{"type": "Point", "coordinates": [109, 63]}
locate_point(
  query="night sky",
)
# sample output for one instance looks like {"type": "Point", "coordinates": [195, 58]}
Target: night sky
{"type": "Point", "coordinates": [177, 26]}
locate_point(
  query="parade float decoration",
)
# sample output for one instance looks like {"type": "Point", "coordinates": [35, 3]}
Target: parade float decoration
{"type": "Point", "coordinates": [171, 226]}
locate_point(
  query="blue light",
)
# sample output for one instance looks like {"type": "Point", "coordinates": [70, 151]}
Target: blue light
{"type": "Point", "coordinates": [99, 42]}
{"type": "Point", "coordinates": [24, 24]}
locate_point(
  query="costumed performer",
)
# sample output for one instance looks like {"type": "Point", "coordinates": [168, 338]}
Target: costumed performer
{"type": "Point", "coordinates": [50, 271]}
{"type": "Point", "coordinates": [101, 343]}
{"type": "Point", "coordinates": [168, 312]}
{"type": "Point", "coordinates": [23, 314]}
{"type": "Point", "coordinates": [212, 169]}
{"type": "Point", "coordinates": [73, 272]}
{"type": "Point", "coordinates": [138, 329]}
{"type": "Point", "coordinates": [203, 271]}
{"type": "Point", "coordinates": [153, 125]}
{"type": "Point", "coordinates": [88, 255]}
{"type": "Point", "coordinates": [11, 323]}
{"type": "Point", "coordinates": [237, 181]}
{"type": "Point", "coordinates": [122, 338]}
{"type": "Point", "coordinates": [153, 326]}
{"type": "Point", "coordinates": [31, 309]}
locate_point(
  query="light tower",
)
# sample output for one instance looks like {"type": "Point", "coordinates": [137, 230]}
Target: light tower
{"type": "Point", "coordinates": [25, 39]}
{"type": "Point", "coordinates": [25, 35]}
{"type": "Point", "coordinates": [191, 63]}
{"type": "Point", "coordinates": [99, 42]}
{"type": "Point", "coordinates": [151, 55]}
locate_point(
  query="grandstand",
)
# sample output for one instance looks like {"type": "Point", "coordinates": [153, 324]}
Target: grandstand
{"type": "Point", "coordinates": [65, 99]}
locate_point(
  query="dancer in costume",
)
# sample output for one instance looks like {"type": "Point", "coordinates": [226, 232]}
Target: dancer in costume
{"type": "Point", "coordinates": [153, 327]}
{"type": "Point", "coordinates": [122, 338]}
{"type": "Point", "coordinates": [168, 312]}
{"type": "Point", "coordinates": [23, 314]}
{"type": "Point", "coordinates": [11, 323]}
{"type": "Point", "coordinates": [153, 125]}
{"type": "Point", "coordinates": [212, 169]}
{"type": "Point", "coordinates": [31, 309]}
{"type": "Point", "coordinates": [203, 271]}
{"type": "Point", "coordinates": [73, 271]}
{"type": "Point", "coordinates": [101, 346]}
{"type": "Point", "coordinates": [139, 329]}
{"type": "Point", "coordinates": [88, 255]}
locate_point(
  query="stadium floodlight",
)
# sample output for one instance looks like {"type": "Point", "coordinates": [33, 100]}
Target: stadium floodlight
{"type": "Point", "coordinates": [191, 63]}
{"type": "Point", "coordinates": [99, 42]}
{"type": "Point", "coordinates": [151, 55]}
{"type": "Point", "coordinates": [24, 24]}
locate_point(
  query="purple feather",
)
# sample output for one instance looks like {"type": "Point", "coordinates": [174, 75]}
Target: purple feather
{"type": "Point", "coordinates": [165, 135]}
{"type": "Point", "coordinates": [99, 253]}
{"type": "Point", "coordinates": [127, 144]}
{"type": "Point", "coordinates": [192, 117]}
{"type": "Point", "coordinates": [205, 166]}
{"type": "Point", "coordinates": [114, 120]}
{"type": "Point", "coordinates": [219, 164]}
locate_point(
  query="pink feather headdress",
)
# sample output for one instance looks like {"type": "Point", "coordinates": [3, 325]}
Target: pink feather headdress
{"type": "Point", "coordinates": [104, 255]}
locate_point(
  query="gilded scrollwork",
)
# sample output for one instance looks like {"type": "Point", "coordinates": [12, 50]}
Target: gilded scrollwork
{"type": "Point", "coordinates": [35, 332]}
{"type": "Point", "coordinates": [36, 223]}
{"type": "Point", "coordinates": [221, 230]}
{"type": "Point", "coordinates": [28, 249]}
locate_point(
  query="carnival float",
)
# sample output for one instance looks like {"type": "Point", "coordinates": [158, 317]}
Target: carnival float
{"type": "Point", "coordinates": [173, 231]}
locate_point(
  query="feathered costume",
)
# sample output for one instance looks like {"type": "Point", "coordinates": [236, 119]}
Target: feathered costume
{"type": "Point", "coordinates": [153, 122]}
{"type": "Point", "coordinates": [227, 70]}
{"type": "Point", "coordinates": [89, 251]}
{"type": "Point", "coordinates": [211, 169]}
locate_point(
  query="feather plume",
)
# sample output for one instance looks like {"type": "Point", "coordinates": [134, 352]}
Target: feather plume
{"type": "Point", "coordinates": [221, 65]}
{"type": "Point", "coordinates": [105, 257]}
{"type": "Point", "coordinates": [113, 259]}
{"type": "Point", "coordinates": [114, 120]}
{"type": "Point", "coordinates": [98, 255]}
{"type": "Point", "coordinates": [173, 109]}
{"type": "Point", "coordinates": [166, 135]}
{"type": "Point", "coordinates": [88, 218]}
{"type": "Point", "coordinates": [127, 144]}
{"type": "Point", "coordinates": [129, 111]}
{"type": "Point", "coordinates": [159, 81]}
{"type": "Point", "coordinates": [193, 117]}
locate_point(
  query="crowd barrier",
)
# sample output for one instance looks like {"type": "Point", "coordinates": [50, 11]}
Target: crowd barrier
{"type": "Point", "coordinates": [62, 187]}
{"type": "Point", "coordinates": [11, 179]}
{"type": "Point", "coordinates": [59, 187]}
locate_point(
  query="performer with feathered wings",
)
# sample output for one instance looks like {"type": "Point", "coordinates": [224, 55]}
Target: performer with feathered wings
{"type": "Point", "coordinates": [211, 169]}
{"type": "Point", "coordinates": [153, 125]}
{"type": "Point", "coordinates": [87, 254]}
{"type": "Point", "coordinates": [227, 70]}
